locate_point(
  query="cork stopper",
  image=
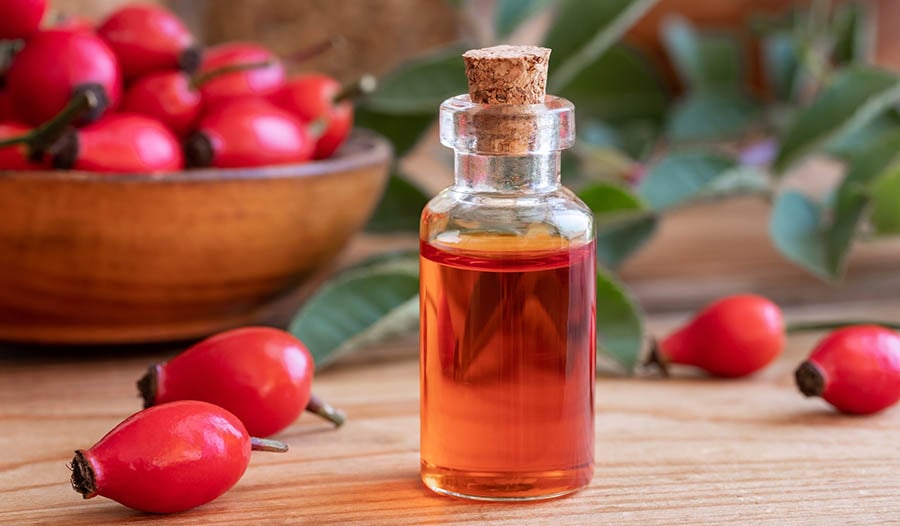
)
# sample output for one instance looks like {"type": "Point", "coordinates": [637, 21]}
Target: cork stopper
{"type": "Point", "coordinates": [507, 74]}
{"type": "Point", "coordinates": [507, 111]}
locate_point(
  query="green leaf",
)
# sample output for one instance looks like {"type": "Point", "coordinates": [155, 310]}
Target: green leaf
{"type": "Point", "coordinates": [871, 162]}
{"type": "Point", "coordinates": [604, 163]}
{"type": "Point", "coordinates": [848, 145]}
{"type": "Point", "coordinates": [852, 199]}
{"type": "Point", "coordinates": [704, 62]}
{"type": "Point", "coordinates": [875, 173]}
{"type": "Point", "coordinates": [358, 308]}
{"type": "Point", "coordinates": [705, 116]}
{"type": "Point", "coordinates": [781, 62]}
{"type": "Point", "coordinates": [795, 227]}
{"type": "Point", "coordinates": [403, 130]}
{"type": "Point", "coordinates": [634, 137]}
{"type": "Point", "coordinates": [400, 207]}
{"type": "Point", "coordinates": [620, 323]}
{"type": "Point", "coordinates": [622, 220]}
{"type": "Point", "coordinates": [885, 214]}
{"type": "Point", "coordinates": [422, 85]}
{"type": "Point", "coordinates": [680, 177]}
{"type": "Point", "coordinates": [620, 235]}
{"type": "Point", "coordinates": [603, 198]}
{"type": "Point", "coordinates": [583, 30]}
{"type": "Point", "coordinates": [509, 14]}
{"type": "Point", "coordinates": [854, 98]}
{"type": "Point", "coordinates": [854, 32]}
{"type": "Point", "coordinates": [819, 237]}
{"type": "Point", "coordinates": [618, 86]}
{"type": "Point", "coordinates": [740, 180]}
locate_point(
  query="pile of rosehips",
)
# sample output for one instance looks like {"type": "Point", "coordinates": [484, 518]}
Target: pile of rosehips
{"type": "Point", "coordinates": [136, 94]}
{"type": "Point", "coordinates": [855, 368]}
{"type": "Point", "coordinates": [206, 409]}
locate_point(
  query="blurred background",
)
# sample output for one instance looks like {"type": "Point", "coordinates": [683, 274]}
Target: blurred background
{"type": "Point", "coordinates": [715, 143]}
{"type": "Point", "coordinates": [382, 33]}
{"type": "Point", "coordinates": [697, 252]}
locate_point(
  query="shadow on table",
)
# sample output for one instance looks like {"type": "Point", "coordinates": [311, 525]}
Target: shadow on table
{"type": "Point", "coordinates": [11, 353]}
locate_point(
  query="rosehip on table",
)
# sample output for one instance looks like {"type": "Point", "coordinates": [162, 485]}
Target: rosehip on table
{"type": "Point", "coordinates": [20, 18]}
{"type": "Point", "coordinates": [259, 82]}
{"type": "Point", "coordinates": [147, 38]}
{"type": "Point", "coordinates": [856, 369]}
{"type": "Point", "coordinates": [55, 64]}
{"type": "Point", "coordinates": [122, 143]}
{"type": "Point", "coordinates": [732, 337]}
{"type": "Point", "coordinates": [246, 133]}
{"type": "Point", "coordinates": [169, 458]}
{"type": "Point", "coordinates": [262, 375]}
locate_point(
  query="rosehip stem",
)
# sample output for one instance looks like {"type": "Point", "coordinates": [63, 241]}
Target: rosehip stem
{"type": "Point", "coordinates": [202, 78]}
{"type": "Point", "coordinates": [353, 90]}
{"type": "Point", "coordinates": [267, 444]}
{"type": "Point", "coordinates": [810, 379]}
{"type": "Point", "coordinates": [46, 134]}
{"type": "Point", "coordinates": [333, 415]}
{"type": "Point", "coordinates": [837, 324]}
{"type": "Point", "coordinates": [316, 49]}
{"type": "Point", "coordinates": [657, 360]}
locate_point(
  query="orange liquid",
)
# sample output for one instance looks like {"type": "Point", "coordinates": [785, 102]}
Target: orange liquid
{"type": "Point", "coordinates": [507, 369]}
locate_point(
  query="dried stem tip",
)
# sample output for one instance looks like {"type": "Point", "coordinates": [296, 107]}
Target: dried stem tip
{"type": "Point", "coordinates": [810, 379]}
{"type": "Point", "coordinates": [507, 74]}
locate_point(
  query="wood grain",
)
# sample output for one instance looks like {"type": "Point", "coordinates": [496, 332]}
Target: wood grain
{"type": "Point", "coordinates": [683, 451]}
{"type": "Point", "coordinates": [87, 258]}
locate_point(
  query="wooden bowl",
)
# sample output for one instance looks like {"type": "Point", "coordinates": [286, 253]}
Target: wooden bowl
{"type": "Point", "coordinates": [88, 258]}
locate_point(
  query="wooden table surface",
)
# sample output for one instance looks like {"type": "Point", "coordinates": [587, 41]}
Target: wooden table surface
{"type": "Point", "coordinates": [688, 450]}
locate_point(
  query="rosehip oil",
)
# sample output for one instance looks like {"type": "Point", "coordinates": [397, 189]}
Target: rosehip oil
{"type": "Point", "coordinates": [507, 295]}
{"type": "Point", "coordinates": [507, 370]}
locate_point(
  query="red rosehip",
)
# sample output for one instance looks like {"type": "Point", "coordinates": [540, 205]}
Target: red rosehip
{"type": "Point", "coordinates": [311, 97]}
{"type": "Point", "coordinates": [169, 458]}
{"type": "Point", "coordinates": [147, 38]}
{"type": "Point", "coordinates": [734, 336]}
{"type": "Point", "coordinates": [240, 84]}
{"type": "Point", "coordinates": [122, 143]}
{"type": "Point", "coordinates": [248, 132]}
{"type": "Point", "coordinates": [53, 66]}
{"type": "Point", "coordinates": [6, 109]}
{"type": "Point", "coordinates": [166, 96]}
{"type": "Point", "coordinates": [855, 369]}
{"type": "Point", "coordinates": [262, 375]}
{"type": "Point", "coordinates": [173, 97]}
{"type": "Point", "coordinates": [20, 18]}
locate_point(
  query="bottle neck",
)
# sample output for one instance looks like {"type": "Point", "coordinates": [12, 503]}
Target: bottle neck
{"type": "Point", "coordinates": [533, 173]}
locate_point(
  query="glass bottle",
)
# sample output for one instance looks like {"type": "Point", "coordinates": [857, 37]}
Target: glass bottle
{"type": "Point", "coordinates": [508, 273]}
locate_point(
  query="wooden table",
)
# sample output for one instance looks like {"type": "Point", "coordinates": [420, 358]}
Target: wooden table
{"type": "Point", "coordinates": [686, 450]}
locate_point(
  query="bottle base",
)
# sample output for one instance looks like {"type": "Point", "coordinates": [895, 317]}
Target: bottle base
{"type": "Point", "coordinates": [517, 486]}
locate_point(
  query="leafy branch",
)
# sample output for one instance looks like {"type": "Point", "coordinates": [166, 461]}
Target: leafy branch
{"type": "Point", "coordinates": [643, 152]}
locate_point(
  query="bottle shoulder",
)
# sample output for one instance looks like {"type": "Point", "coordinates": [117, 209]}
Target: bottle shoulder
{"type": "Point", "coordinates": [559, 212]}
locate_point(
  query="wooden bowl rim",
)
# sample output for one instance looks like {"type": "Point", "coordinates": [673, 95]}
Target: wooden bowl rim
{"type": "Point", "coordinates": [363, 148]}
